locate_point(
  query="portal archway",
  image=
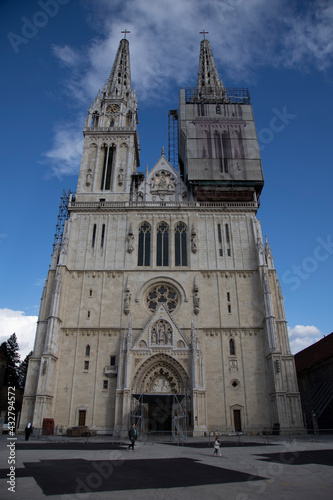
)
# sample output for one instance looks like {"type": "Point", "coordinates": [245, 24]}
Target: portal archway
{"type": "Point", "coordinates": [157, 384]}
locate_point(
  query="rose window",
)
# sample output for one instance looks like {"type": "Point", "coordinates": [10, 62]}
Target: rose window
{"type": "Point", "coordinates": [162, 294]}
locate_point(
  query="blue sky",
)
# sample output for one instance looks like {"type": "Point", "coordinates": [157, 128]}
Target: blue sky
{"type": "Point", "coordinates": [56, 54]}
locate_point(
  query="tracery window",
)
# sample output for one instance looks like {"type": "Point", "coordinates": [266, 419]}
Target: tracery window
{"type": "Point", "coordinates": [162, 294]}
{"type": "Point", "coordinates": [180, 245]}
{"type": "Point", "coordinates": [144, 244]}
{"type": "Point", "coordinates": [162, 250]}
{"type": "Point", "coordinates": [107, 168]}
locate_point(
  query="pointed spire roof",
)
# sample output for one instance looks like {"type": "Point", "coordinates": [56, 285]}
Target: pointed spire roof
{"type": "Point", "coordinates": [119, 81]}
{"type": "Point", "coordinates": [209, 83]}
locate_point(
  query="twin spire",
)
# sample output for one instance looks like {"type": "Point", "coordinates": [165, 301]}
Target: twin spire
{"type": "Point", "coordinates": [119, 81]}
{"type": "Point", "coordinates": [209, 84]}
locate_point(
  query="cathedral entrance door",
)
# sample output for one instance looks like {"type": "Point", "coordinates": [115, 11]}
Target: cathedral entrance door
{"type": "Point", "coordinates": [160, 413]}
{"type": "Point", "coordinates": [237, 421]}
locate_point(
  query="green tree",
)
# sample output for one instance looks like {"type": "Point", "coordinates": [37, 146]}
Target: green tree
{"type": "Point", "coordinates": [10, 348]}
{"type": "Point", "coordinates": [22, 370]}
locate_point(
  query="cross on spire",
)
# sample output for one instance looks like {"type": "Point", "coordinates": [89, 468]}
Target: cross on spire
{"type": "Point", "coordinates": [125, 31]}
{"type": "Point", "coordinates": [204, 33]}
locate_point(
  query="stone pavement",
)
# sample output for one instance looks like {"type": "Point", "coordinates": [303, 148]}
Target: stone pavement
{"type": "Point", "coordinates": [251, 467]}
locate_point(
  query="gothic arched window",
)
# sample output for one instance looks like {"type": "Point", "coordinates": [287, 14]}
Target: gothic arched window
{"type": "Point", "coordinates": [162, 250]}
{"type": "Point", "coordinates": [88, 350]}
{"type": "Point", "coordinates": [180, 244]}
{"type": "Point", "coordinates": [129, 119]}
{"type": "Point", "coordinates": [232, 347]}
{"type": "Point", "coordinates": [107, 167]}
{"type": "Point", "coordinates": [144, 244]}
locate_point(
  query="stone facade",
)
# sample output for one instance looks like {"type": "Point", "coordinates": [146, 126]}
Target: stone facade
{"type": "Point", "coordinates": [162, 304]}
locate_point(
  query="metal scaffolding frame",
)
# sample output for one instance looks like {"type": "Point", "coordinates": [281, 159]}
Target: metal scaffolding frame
{"type": "Point", "coordinates": [232, 96]}
{"type": "Point", "coordinates": [139, 410]}
{"type": "Point", "coordinates": [173, 138]}
{"type": "Point", "coordinates": [137, 413]}
{"type": "Point", "coordinates": [179, 432]}
{"type": "Point", "coordinates": [62, 216]}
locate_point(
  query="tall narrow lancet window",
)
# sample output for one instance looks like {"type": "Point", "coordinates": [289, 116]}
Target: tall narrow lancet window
{"type": "Point", "coordinates": [144, 244]}
{"type": "Point", "coordinates": [94, 236]}
{"type": "Point", "coordinates": [232, 347]}
{"type": "Point", "coordinates": [162, 250]}
{"type": "Point", "coordinates": [180, 245]}
{"type": "Point", "coordinates": [94, 120]}
{"type": "Point", "coordinates": [88, 350]}
{"type": "Point", "coordinates": [103, 236]}
{"type": "Point", "coordinates": [129, 119]}
{"type": "Point", "coordinates": [107, 168]}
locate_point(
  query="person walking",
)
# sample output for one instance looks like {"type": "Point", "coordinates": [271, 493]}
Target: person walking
{"type": "Point", "coordinates": [217, 447]}
{"type": "Point", "coordinates": [132, 434]}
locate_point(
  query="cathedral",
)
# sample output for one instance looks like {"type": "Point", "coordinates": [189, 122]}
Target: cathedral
{"type": "Point", "coordinates": [162, 306]}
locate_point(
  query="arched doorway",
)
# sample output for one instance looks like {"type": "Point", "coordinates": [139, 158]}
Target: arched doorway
{"type": "Point", "coordinates": [158, 399]}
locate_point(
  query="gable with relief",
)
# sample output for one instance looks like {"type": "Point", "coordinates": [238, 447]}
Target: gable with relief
{"type": "Point", "coordinates": [162, 184]}
{"type": "Point", "coordinates": [160, 332]}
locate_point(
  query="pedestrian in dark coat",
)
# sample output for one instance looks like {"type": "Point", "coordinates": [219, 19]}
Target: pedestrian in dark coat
{"type": "Point", "coordinates": [132, 434]}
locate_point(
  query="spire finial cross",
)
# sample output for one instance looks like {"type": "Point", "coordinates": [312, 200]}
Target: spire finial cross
{"type": "Point", "coordinates": [204, 33]}
{"type": "Point", "coordinates": [125, 31]}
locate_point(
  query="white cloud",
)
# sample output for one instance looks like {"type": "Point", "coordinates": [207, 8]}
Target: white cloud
{"type": "Point", "coordinates": [302, 336]}
{"type": "Point", "coordinates": [66, 55]}
{"type": "Point", "coordinates": [164, 45]}
{"type": "Point", "coordinates": [65, 155]}
{"type": "Point", "coordinates": [24, 327]}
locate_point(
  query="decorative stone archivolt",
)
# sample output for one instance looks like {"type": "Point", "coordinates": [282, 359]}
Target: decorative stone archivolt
{"type": "Point", "coordinates": [161, 373]}
{"type": "Point", "coordinates": [161, 333]}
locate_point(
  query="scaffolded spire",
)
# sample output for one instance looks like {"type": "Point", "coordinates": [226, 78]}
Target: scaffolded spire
{"type": "Point", "coordinates": [209, 83]}
{"type": "Point", "coordinates": [119, 81]}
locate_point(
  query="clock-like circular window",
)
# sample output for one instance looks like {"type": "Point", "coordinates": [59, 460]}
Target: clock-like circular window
{"type": "Point", "coordinates": [163, 293]}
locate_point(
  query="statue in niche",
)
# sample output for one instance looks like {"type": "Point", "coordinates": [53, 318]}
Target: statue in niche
{"type": "Point", "coordinates": [266, 285]}
{"type": "Point", "coordinates": [196, 302]}
{"type": "Point", "coordinates": [194, 245]}
{"type": "Point", "coordinates": [161, 333]}
{"type": "Point", "coordinates": [163, 182]}
{"type": "Point", "coordinates": [127, 302]}
{"type": "Point", "coordinates": [121, 177]}
{"type": "Point", "coordinates": [130, 240]}
{"type": "Point", "coordinates": [89, 177]}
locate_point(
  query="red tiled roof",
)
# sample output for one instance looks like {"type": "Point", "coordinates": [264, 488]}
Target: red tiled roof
{"type": "Point", "coordinates": [316, 353]}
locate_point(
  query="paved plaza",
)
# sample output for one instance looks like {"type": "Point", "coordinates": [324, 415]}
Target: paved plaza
{"type": "Point", "coordinates": [251, 467]}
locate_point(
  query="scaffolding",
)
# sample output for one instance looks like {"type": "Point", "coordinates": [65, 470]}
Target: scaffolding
{"type": "Point", "coordinates": [232, 96]}
{"type": "Point", "coordinates": [140, 410]}
{"type": "Point", "coordinates": [62, 216]}
{"type": "Point", "coordinates": [137, 412]}
{"type": "Point", "coordinates": [179, 433]}
{"type": "Point", "coordinates": [173, 138]}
